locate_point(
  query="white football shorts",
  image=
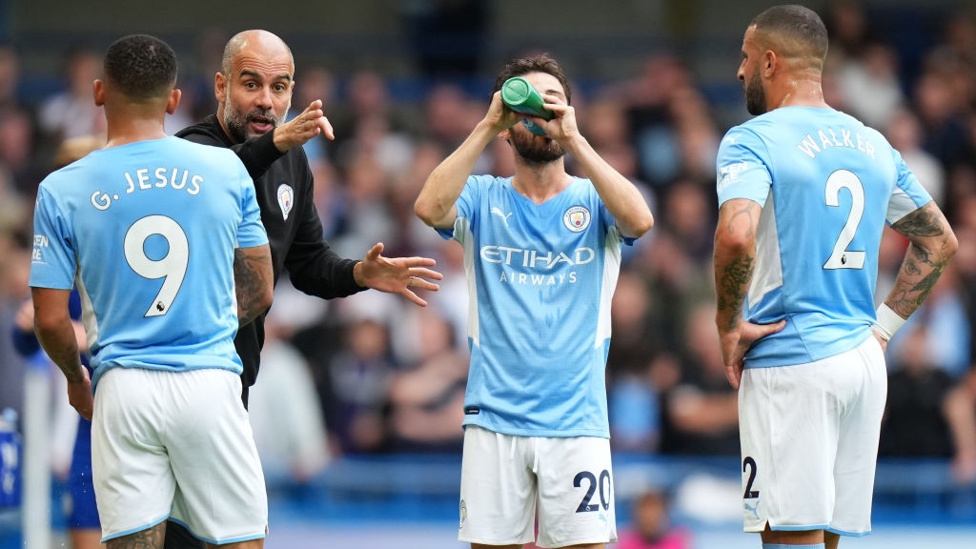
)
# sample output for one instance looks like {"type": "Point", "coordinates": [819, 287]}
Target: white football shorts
{"type": "Point", "coordinates": [809, 438]}
{"type": "Point", "coordinates": [176, 445]}
{"type": "Point", "coordinates": [502, 477]}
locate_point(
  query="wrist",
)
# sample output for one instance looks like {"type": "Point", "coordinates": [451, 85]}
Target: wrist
{"type": "Point", "coordinates": [357, 275]}
{"type": "Point", "coordinates": [888, 322]}
{"type": "Point", "coordinates": [280, 140]}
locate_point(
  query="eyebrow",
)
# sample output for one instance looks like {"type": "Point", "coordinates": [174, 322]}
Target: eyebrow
{"type": "Point", "coordinates": [258, 76]}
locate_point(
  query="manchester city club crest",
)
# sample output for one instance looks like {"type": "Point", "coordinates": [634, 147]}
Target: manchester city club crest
{"type": "Point", "coordinates": [577, 219]}
{"type": "Point", "coordinates": [286, 199]}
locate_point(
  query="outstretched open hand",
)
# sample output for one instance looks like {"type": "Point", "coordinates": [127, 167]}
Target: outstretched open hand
{"type": "Point", "coordinates": [397, 275]}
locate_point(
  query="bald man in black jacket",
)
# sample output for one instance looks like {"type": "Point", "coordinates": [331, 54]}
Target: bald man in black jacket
{"type": "Point", "coordinates": [253, 91]}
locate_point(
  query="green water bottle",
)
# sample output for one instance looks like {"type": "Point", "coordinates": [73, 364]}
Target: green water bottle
{"type": "Point", "coordinates": [522, 98]}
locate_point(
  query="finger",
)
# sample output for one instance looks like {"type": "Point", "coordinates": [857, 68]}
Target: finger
{"type": "Point", "coordinates": [422, 284]}
{"type": "Point", "coordinates": [426, 273]}
{"type": "Point", "coordinates": [314, 105]}
{"type": "Point", "coordinates": [322, 123]}
{"type": "Point", "coordinates": [414, 298]}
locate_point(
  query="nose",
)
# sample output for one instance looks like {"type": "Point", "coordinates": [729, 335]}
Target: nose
{"type": "Point", "coordinates": [264, 98]}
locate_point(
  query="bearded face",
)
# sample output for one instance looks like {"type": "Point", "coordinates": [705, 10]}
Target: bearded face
{"type": "Point", "coordinates": [534, 149]}
{"type": "Point", "coordinates": [244, 125]}
{"type": "Point", "coordinates": [755, 95]}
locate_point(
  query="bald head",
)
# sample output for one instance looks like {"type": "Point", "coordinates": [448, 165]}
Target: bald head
{"type": "Point", "coordinates": [254, 85]}
{"type": "Point", "coordinates": [794, 32]}
{"type": "Point", "coordinates": [257, 41]}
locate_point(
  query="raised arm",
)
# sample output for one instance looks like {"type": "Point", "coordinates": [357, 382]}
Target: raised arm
{"type": "Point", "coordinates": [621, 197]}
{"type": "Point", "coordinates": [254, 282]}
{"type": "Point", "coordinates": [932, 244]}
{"type": "Point", "coordinates": [435, 204]}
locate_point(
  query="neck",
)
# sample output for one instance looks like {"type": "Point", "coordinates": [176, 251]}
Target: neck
{"type": "Point", "coordinates": [801, 92]}
{"type": "Point", "coordinates": [125, 130]}
{"type": "Point", "coordinates": [540, 182]}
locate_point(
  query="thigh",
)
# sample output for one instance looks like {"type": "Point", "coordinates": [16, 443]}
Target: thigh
{"type": "Point", "coordinates": [498, 489]}
{"type": "Point", "coordinates": [576, 494]}
{"type": "Point", "coordinates": [133, 482]}
{"type": "Point", "coordinates": [857, 449]}
{"type": "Point", "coordinates": [220, 494]}
{"type": "Point", "coordinates": [788, 427]}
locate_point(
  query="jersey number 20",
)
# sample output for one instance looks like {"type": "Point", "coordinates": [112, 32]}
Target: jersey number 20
{"type": "Point", "coordinates": [172, 267]}
{"type": "Point", "coordinates": [842, 258]}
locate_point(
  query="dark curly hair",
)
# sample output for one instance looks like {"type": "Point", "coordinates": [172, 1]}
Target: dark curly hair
{"type": "Point", "coordinates": [536, 63]}
{"type": "Point", "coordinates": [141, 66]}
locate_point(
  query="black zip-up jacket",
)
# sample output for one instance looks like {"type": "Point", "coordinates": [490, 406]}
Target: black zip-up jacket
{"type": "Point", "coordinates": [284, 187]}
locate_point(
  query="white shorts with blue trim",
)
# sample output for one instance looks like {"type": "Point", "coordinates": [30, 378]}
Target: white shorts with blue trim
{"type": "Point", "coordinates": [176, 445]}
{"type": "Point", "coordinates": [504, 476]}
{"type": "Point", "coordinates": [809, 437]}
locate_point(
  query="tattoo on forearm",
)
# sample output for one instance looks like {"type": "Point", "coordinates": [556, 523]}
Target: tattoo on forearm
{"type": "Point", "coordinates": [732, 287]}
{"type": "Point", "coordinates": [249, 279]}
{"type": "Point", "coordinates": [150, 538]}
{"type": "Point", "coordinates": [922, 265]}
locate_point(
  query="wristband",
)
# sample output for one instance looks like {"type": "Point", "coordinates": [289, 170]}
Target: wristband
{"type": "Point", "coordinates": [888, 322]}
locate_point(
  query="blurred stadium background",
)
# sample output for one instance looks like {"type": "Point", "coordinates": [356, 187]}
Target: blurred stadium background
{"type": "Point", "coordinates": [357, 407]}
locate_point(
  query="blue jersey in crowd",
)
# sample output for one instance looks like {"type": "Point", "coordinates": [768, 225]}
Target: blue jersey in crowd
{"type": "Point", "coordinates": [540, 281]}
{"type": "Point", "coordinates": [827, 185]}
{"type": "Point", "coordinates": [147, 232]}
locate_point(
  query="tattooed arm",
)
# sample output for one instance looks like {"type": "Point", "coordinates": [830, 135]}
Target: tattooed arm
{"type": "Point", "coordinates": [932, 245]}
{"type": "Point", "coordinates": [254, 282]}
{"type": "Point", "coordinates": [52, 324]}
{"type": "Point", "coordinates": [735, 258]}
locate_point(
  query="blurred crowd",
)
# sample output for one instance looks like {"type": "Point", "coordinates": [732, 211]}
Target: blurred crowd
{"type": "Point", "coordinates": [375, 374]}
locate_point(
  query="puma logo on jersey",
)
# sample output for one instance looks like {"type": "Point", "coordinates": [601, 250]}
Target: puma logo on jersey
{"type": "Point", "coordinates": [497, 211]}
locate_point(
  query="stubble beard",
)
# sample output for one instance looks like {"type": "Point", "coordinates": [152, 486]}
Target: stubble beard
{"type": "Point", "coordinates": [535, 149]}
{"type": "Point", "coordinates": [755, 96]}
{"type": "Point", "coordinates": [237, 123]}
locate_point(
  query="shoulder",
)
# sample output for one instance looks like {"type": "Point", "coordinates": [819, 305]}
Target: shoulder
{"type": "Point", "coordinates": [205, 132]}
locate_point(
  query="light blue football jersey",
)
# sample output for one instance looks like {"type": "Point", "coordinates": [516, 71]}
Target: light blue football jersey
{"type": "Point", "coordinates": [147, 232]}
{"type": "Point", "coordinates": [827, 184]}
{"type": "Point", "coordinates": [540, 281]}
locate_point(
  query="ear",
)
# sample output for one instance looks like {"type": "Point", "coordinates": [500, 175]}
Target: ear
{"type": "Point", "coordinates": [173, 101]}
{"type": "Point", "coordinates": [99, 93]}
{"type": "Point", "coordinates": [769, 62]}
{"type": "Point", "coordinates": [220, 87]}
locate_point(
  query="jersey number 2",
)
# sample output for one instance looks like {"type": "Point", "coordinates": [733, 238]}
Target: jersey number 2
{"type": "Point", "coordinates": [172, 267]}
{"type": "Point", "coordinates": [842, 258]}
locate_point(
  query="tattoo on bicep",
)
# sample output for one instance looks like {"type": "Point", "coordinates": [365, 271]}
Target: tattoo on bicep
{"type": "Point", "coordinates": [925, 221]}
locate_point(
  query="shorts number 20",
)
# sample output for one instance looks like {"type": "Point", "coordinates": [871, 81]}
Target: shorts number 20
{"type": "Point", "coordinates": [592, 484]}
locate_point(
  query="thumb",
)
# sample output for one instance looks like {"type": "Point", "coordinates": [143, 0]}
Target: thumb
{"type": "Point", "coordinates": [375, 251]}
{"type": "Point", "coordinates": [775, 327]}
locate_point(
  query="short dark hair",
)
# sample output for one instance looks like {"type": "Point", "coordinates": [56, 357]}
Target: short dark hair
{"type": "Point", "coordinates": [536, 63]}
{"type": "Point", "coordinates": [796, 23]}
{"type": "Point", "coordinates": [141, 66]}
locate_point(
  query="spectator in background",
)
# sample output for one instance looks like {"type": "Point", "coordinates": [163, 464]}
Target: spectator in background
{"type": "Point", "coordinates": [72, 113]}
{"type": "Point", "coordinates": [284, 409]}
{"type": "Point", "coordinates": [651, 526]}
{"type": "Point", "coordinates": [904, 132]}
{"type": "Point", "coordinates": [427, 397]}
{"type": "Point", "coordinates": [9, 76]}
{"type": "Point", "coordinates": [915, 423]}
{"type": "Point", "coordinates": [355, 386]}
{"type": "Point", "coordinates": [700, 412]}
